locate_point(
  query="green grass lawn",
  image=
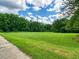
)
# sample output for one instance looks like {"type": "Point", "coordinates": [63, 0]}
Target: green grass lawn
{"type": "Point", "coordinates": [45, 45]}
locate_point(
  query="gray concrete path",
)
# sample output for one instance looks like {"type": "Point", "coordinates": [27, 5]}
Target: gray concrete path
{"type": "Point", "coordinates": [9, 51]}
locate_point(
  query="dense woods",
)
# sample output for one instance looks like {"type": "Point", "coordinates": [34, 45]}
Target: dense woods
{"type": "Point", "coordinates": [14, 23]}
{"type": "Point", "coordinates": [11, 22]}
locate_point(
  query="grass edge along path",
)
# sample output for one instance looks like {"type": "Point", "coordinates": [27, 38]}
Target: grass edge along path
{"type": "Point", "coordinates": [10, 51]}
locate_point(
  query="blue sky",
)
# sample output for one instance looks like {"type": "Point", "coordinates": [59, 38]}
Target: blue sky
{"type": "Point", "coordinates": [43, 10]}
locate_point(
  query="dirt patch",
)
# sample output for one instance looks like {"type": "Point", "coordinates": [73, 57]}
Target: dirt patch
{"type": "Point", "coordinates": [63, 53]}
{"type": "Point", "coordinates": [77, 38]}
{"type": "Point", "coordinates": [59, 51]}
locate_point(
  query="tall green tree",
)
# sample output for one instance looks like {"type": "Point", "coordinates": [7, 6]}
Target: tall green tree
{"type": "Point", "coordinates": [59, 25]}
{"type": "Point", "coordinates": [73, 24]}
{"type": "Point", "coordinates": [10, 22]}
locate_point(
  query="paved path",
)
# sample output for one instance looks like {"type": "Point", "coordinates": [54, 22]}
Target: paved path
{"type": "Point", "coordinates": [9, 51]}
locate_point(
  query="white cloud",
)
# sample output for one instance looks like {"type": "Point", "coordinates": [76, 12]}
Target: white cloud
{"type": "Point", "coordinates": [50, 9]}
{"type": "Point", "coordinates": [28, 18]}
{"type": "Point", "coordinates": [46, 20]}
{"type": "Point", "coordinates": [29, 13]}
{"type": "Point", "coordinates": [46, 2]}
{"type": "Point", "coordinates": [29, 1]}
{"type": "Point", "coordinates": [6, 10]}
{"type": "Point", "coordinates": [52, 17]}
{"type": "Point", "coordinates": [13, 4]}
{"type": "Point", "coordinates": [57, 6]}
{"type": "Point", "coordinates": [58, 16]}
{"type": "Point", "coordinates": [27, 7]}
{"type": "Point", "coordinates": [36, 8]}
{"type": "Point", "coordinates": [40, 3]}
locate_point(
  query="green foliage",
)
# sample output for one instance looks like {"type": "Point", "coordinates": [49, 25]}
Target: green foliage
{"type": "Point", "coordinates": [59, 25]}
{"type": "Point", "coordinates": [73, 24]}
{"type": "Point", "coordinates": [11, 22]}
{"type": "Point", "coordinates": [65, 25]}
{"type": "Point", "coordinates": [75, 3]}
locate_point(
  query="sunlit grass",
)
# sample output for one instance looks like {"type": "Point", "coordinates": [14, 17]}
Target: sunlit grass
{"type": "Point", "coordinates": [45, 45]}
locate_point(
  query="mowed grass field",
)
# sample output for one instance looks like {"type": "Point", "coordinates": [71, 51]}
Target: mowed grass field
{"type": "Point", "coordinates": [46, 45]}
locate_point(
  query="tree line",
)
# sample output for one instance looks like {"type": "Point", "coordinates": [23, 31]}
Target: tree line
{"type": "Point", "coordinates": [14, 23]}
